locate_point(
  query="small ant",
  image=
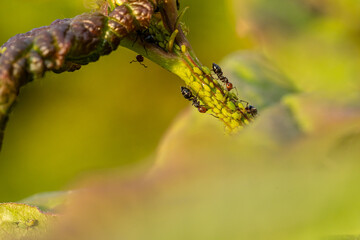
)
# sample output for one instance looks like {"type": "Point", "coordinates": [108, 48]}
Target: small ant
{"type": "Point", "coordinates": [250, 109]}
{"type": "Point", "coordinates": [145, 37]}
{"type": "Point", "coordinates": [218, 71]}
{"type": "Point", "coordinates": [139, 59]}
{"type": "Point", "coordinates": [195, 102]}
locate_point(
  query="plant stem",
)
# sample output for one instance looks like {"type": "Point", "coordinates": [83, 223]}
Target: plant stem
{"type": "Point", "coordinates": [67, 44]}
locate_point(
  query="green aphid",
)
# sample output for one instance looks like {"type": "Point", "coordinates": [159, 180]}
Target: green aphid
{"type": "Point", "coordinates": [219, 96]}
{"type": "Point", "coordinates": [227, 120]}
{"type": "Point", "coordinates": [207, 88]}
{"type": "Point", "coordinates": [219, 106]}
{"type": "Point", "coordinates": [231, 105]}
{"type": "Point", "coordinates": [197, 70]}
{"type": "Point", "coordinates": [226, 113]}
{"type": "Point", "coordinates": [215, 110]}
{"type": "Point", "coordinates": [183, 48]}
{"type": "Point", "coordinates": [196, 86]}
{"type": "Point", "coordinates": [241, 106]}
{"type": "Point", "coordinates": [214, 100]}
{"type": "Point", "coordinates": [212, 85]}
{"type": "Point", "coordinates": [235, 115]}
{"type": "Point", "coordinates": [207, 99]}
{"type": "Point", "coordinates": [234, 124]}
{"type": "Point", "coordinates": [206, 70]}
{"type": "Point", "coordinates": [188, 73]}
{"type": "Point", "coordinates": [206, 93]}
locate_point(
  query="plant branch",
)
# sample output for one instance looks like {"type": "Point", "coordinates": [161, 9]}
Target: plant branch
{"type": "Point", "coordinates": [67, 44]}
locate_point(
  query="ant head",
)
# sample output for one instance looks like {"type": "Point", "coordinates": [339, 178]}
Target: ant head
{"type": "Point", "coordinates": [229, 86]}
{"type": "Point", "coordinates": [202, 109]}
{"type": "Point", "coordinates": [150, 39]}
{"type": "Point", "coordinates": [216, 68]}
{"type": "Point", "coordinates": [252, 110]}
{"type": "Point", "coordinates": [186, 93]}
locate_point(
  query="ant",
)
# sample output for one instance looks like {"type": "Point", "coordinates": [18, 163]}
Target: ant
{"type": "Point", "coordinates": [145, 37]}
{"type": "Point", "coordinates": [195, 102]}
{"type": "Point", "coordinates": [139, 59]}
{"type": "Point", "coordinates": [250, 109]}
{"type": "Point", "coordinates": [218, 71]}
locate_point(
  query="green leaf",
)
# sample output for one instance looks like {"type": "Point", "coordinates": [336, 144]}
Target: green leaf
{"type": "Point", "coordinates": [48, 202]}
{"type": "Point", "coordinates": [20, 220]}
{"type": "Point", "coordinates": [257, 80]}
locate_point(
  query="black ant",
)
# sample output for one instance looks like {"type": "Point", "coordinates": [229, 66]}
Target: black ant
{"type": "Point", "coordinates": [145, 36]}
{"type": "Point", "coordinates": [218, 71]}
{"type": "Point", "coordinates": [195, 102]}
{"type": "Point", "coordinates": [250, 109]}
{"type": "Point", "coordinates": [139, 59]}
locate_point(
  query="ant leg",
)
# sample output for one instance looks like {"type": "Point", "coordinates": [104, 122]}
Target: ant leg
{"type": "Point", "coordinates": [137, 36]}
{"type": "Point", "coordinates": [145, 49]}
{"type": "Point", "coordinates": [143, 65]}
{"type": "Point", "coordinates": [243, 101]}
{"type": "Point", "coordinates": [237, 93]}
{"type": "Point", "coordinates": [133, 61]}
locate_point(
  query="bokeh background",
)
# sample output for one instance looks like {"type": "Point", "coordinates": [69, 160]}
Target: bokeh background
{"type": "Point", "coordinates": [293, 172]}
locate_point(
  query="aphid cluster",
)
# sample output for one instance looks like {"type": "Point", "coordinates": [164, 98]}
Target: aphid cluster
{"type": "Point", "coordinates": [229, 86]}
{"type": "Point", "coordinates": [195, 102]}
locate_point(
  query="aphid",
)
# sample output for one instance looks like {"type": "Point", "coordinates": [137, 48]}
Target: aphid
{"type": "Point", "coordinates": [250, 109]}
{"type": "Point", "coordinates": [218, 71]}
{"type": "Point", "coordinates": [177, 5]}
{"type": "Point", "coordinates": [139, 59]}
{"type": "Point", "coordinates": [195, 102]}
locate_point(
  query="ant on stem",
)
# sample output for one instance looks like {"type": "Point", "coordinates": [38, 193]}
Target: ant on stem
{"type": "Point", "coordinates": [195, 102]}
{"type": "Point", "coordinates": [218, 71]}
{"type": "Point", "coordinates": [250, 109]}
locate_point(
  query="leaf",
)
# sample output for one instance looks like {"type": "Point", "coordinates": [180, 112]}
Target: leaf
{"type": "Point", "coordinates": [257, 80]}
{"type": "Point", "coordinates": [48, 202]}
{"type": "Point", "coordinates": [20, 220]}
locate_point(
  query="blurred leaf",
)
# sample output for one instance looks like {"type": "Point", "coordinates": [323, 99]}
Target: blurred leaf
{"type": "Point", "coordinates": [276, 179]}
{"type": "Point", "coordinates": [21, 220]}
{"type": "Point", "coordinates": [49, 202]}
{"type": "Point", "coordinates": [256, 78]}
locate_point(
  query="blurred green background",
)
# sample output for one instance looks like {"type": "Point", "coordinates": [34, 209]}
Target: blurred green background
{"type": "Point", "coordinates": [112, 113]}
{"type": "Point", "coordinates": [293, 174]}
{"type": "Point", "coordinates": [108, 114]}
